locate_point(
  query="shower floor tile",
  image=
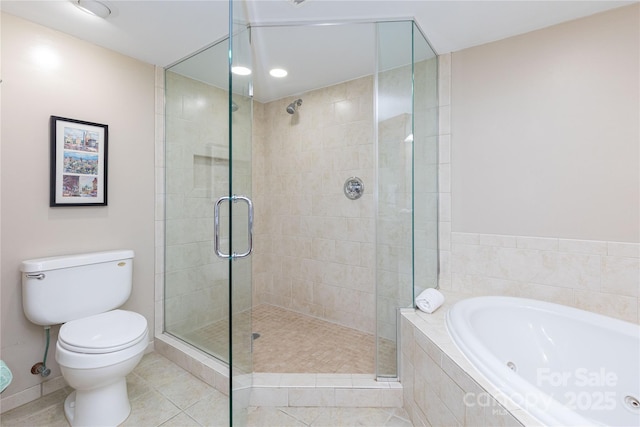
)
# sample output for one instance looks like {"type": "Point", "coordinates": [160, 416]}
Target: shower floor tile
{"type": "Point", "coordinates": [291, 342]}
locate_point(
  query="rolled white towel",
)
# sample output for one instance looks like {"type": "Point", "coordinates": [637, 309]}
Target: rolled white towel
{"type": "Point", "coordinates": [429, 300]}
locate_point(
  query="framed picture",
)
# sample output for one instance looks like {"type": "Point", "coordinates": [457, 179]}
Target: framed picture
{"type": "Point", "coordinates": [78, 163]}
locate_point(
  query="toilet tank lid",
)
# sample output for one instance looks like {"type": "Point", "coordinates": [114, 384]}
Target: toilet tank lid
{"type": "Point", "coordinates": [65, 261]}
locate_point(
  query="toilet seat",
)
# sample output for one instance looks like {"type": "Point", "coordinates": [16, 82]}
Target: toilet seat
{"type": "Point", "coordinates": [72, 360]}
{"type": "Point", "coordinates": [107, 332]}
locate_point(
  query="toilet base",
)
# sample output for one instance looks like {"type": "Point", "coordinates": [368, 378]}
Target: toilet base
{"type": "Point", "coordinates": [104, 406]}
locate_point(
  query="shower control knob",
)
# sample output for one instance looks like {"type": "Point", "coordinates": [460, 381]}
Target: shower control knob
{"type": "Point", "coordinates": [353, 188]}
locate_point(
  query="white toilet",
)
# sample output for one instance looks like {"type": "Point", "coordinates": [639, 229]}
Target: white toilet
{"type": "Point", "coordinates": [97, 345]}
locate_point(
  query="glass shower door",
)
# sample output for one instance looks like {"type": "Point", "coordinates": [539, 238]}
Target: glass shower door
{"type": "Point", "coordinates": [240, 214]}
{"type": "Point", "coordinates": [208, 209]}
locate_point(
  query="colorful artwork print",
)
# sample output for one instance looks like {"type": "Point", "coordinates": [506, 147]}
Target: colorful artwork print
{"type": "Point", "coordinates": [78, 163]}
{"type": "Point", "coordinates": [88, 186]}
{"type": "Point", "coordinates": [70, 186]}
{"type": "Point", "coordinates": [79, 186]}
{"type": "Point", "coordinates": [80, 140]}
{"type": "Point", "coordinates": [80, 158]}
{"type": "Point", "coordinates": [83, 163]}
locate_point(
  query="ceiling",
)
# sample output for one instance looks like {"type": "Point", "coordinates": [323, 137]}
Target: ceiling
{"type": "Point", "coordinates": [163, 32]}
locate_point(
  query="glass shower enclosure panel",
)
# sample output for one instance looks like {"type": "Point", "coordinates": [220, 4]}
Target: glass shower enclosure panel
{"type": "Point", "coordinates": [406, 224]}
{"type": "Point", "coordinates": [426, 163]}
{"type": "Point", "coordinates": [394, 207]}
{"type": "Point", "coordinates": [197, 165]}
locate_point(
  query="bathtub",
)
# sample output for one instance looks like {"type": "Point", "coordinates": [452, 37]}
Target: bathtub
{"type": "Point", "coordinates": [564, 366]}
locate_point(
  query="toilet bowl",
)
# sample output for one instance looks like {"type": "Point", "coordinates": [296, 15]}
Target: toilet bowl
{"type": "Point", "coordinates": [98, 344]}
{"type": "Point", "coordinates": [95, 355]}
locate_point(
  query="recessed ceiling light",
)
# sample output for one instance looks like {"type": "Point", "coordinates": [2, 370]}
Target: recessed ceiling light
{"type": "Point", "coordinates": [278, 72]}
{"type": "Point", "coordinates": [240, 70]}
{"type": "Point", "coordinates": [93, 7]}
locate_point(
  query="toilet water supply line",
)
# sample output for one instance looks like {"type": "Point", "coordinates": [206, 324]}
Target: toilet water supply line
{"type": "Point", "coordinates": [41, 368]}
{"type": "Point", "coordinates": [46, 371]}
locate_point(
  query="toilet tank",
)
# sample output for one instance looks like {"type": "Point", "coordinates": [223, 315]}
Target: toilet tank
{"type": "Point", "coordinates": [63, 288]}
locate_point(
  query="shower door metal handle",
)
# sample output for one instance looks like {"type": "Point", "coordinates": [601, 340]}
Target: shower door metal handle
{"type": "Point", "coordinates": [247, 200]}
{"type": "Point", "coordinates": [216, 227]}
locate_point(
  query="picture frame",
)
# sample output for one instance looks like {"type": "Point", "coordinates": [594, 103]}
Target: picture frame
{"type": "Point", "coordinates": [78, 162]}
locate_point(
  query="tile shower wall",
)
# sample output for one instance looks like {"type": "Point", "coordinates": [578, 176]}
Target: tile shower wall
{"type": "Point", "coordinates": [426, 171]}
{"type": "Point", "coordinates": [316, 254]}
{"type": "Point", "coordinates": [394, 223]}
{"type": "Point", "coordinates": [314, 248]}
{"type": "Point", "coordinates": [444, 171]}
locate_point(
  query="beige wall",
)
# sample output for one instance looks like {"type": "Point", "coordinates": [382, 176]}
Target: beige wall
{"type": "Point", "coordinates": [545, 130]}
{"type": "Point", "coordinates": [89, 83]}
{"type": "Point", "coordinates": [545, 166]}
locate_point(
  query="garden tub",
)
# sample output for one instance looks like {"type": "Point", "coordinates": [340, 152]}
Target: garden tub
{"type": "Point", "coordinates": [564, 366]}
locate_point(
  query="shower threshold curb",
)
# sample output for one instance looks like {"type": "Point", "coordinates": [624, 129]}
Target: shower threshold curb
{"type": "Point", "coordinates": [282, 389]}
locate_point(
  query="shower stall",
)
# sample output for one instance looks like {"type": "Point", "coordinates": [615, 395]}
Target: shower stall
{"type": "Point", "coordinates": [300, 213]}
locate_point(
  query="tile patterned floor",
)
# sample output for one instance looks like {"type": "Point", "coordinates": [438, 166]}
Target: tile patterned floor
{"type": "Point", "coordinates": [291, 342]}
{"type": "Point", "coordinates": [163, 394]}
{"type": "Point", "coordinates": [295, 343]}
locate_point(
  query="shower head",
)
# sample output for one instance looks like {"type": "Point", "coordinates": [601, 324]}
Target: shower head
{"type": "Point", "coordinates": [291, 108]}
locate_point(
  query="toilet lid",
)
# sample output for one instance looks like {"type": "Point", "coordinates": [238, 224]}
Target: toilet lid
{"type": "Point", "coordinates": [103, 333]}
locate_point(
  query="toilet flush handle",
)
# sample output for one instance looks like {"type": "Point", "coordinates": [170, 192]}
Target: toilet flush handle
{"type": "Point", "coordinates": [39, 276]}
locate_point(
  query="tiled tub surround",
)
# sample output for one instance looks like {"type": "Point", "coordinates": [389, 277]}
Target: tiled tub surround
{"type": "Point", "coordinates": [440, 387]}
{"type": "Point", "coordinates": [598, 276]}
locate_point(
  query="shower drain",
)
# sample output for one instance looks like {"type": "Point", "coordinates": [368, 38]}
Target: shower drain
{"type": "Point", "coordinates": [632, 402]}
